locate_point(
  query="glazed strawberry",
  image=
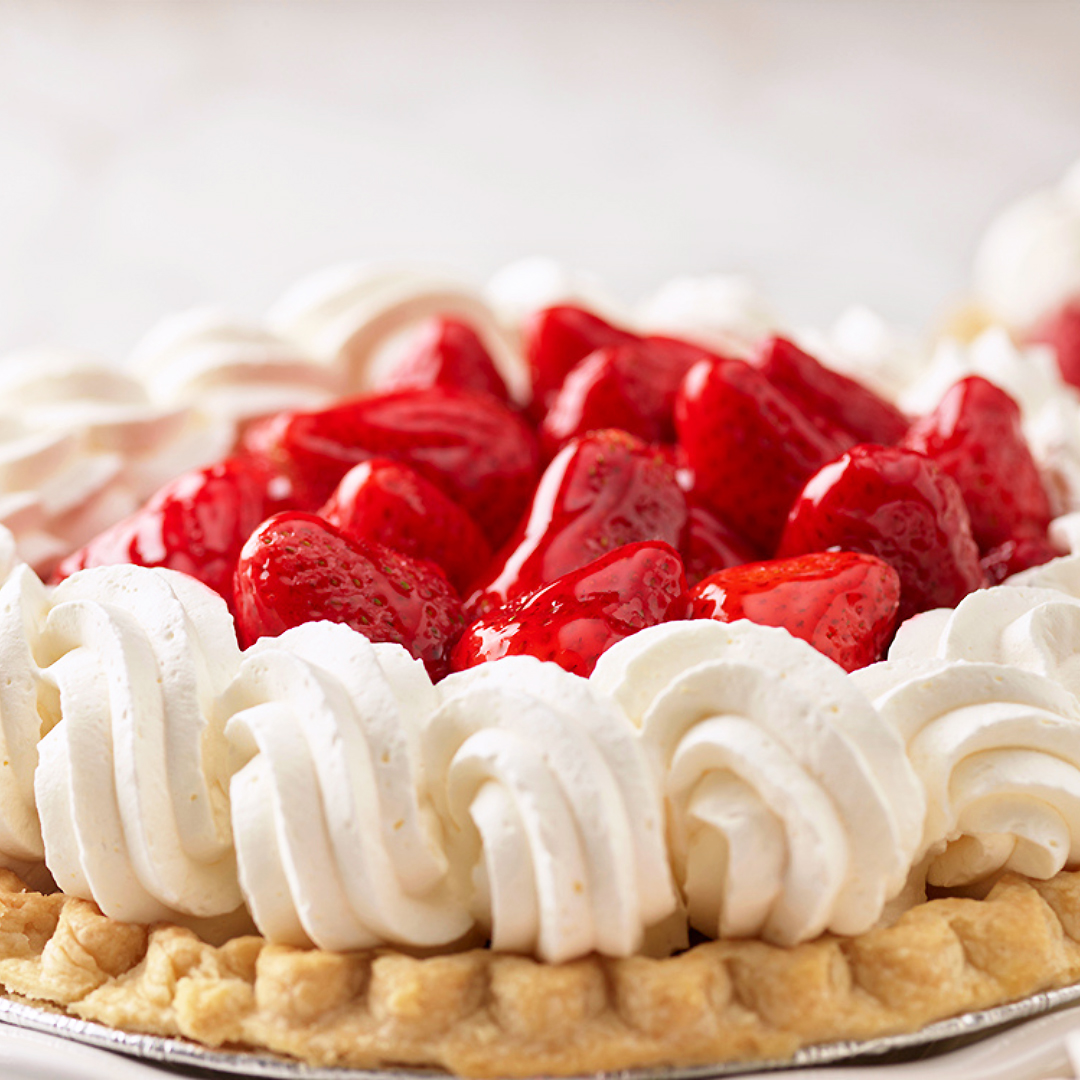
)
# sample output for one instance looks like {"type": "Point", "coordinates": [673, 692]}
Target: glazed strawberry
{"type": "Point", "coordinates": [842, 603]}
{"type": "Point", "coordinates": [603, 490]}
{"type": "Point", "coordinates": [197, 524]}
{"type": "Point", "coordinates": [1061, 329]}
{"type": "Point", "coordinates": [468, 445]}
{"type": "Point", "coordinates": [1020, 553]}
{"type": "Point", "coordinates": [711, 544]}
{"type": "Point", "coordinates": [751, 449]}
{"type": "Point", "coordinates": [838, 406]}
{"type": "Point", "coordinates": [630, 386]}
{"type": "Point", "coordinates": [896, 504]}
{"type": "Point", "coordinates": [297, 568]}
{"type": "Point", "coordinates": [555, 339]}
{"type": "Point", "coordinates": [975, 436]}
{"type": "Point", "coordinates": [574, 619]}
{"type": "Point", "coordinates": [447, 352]}
{"type": "Point", "coordinates": [388, 502]}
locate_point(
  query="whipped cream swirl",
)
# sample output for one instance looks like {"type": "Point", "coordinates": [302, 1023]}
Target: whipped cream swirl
{"type": "Point", "coordinates": [792, 807]}
{"type": "Point", "coordinates": [334, 842]}
{"type": "Point", "coordinates": [131, 785]}
{"type": "Point", "coordinates": [554, 817]}
{"type": "Point", "coordinates": [997, 749]}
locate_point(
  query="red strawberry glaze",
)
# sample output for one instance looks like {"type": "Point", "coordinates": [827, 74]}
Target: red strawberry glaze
{"type": "Point", "coordinates": [844, 604]}
{"type": "Point", "coordinates": [1061, 329]}
{"type": "Point", "coordinates": [470, 446]}
{"type": "Point", "coordinates": [1015, 555]}
{"type": "Point", "coordinates": [711, 545]}
{"type": "Point", "coordinates": [842, 409]}
{"type": "Point", "coordinates": [751, 449]}
{"type": "Point", "coordinates": [603, 490]}
{"type": "Point", "coordinates": [573, 620]}
{"type": "Point", "coordinates": [974, 434]}
{"type": "Point", "coordinates": [196, 524]}
{"type": "Point", "coordinates": [297, 568]}
{"type": "Point", "coordinates": [447, 352]}
{"type": "Point", "coordinates": [900, 506]}
{"type": "Point", "coordinates": [392, 504]}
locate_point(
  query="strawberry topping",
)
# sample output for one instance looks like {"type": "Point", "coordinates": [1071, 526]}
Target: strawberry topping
{"type": "Point", "coordinates": [1061, 329]}
{"type": "Point", "coordinates": [842, 603]}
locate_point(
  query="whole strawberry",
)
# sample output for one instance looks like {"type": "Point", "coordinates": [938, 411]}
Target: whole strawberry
{"type": "Point", "coordinates": [838, 406]}
{"type": "Point", "coordinates": [394, 505]}
{"type": "Point", "coordinates": [447, 352]}
{"type": "Point", "coordinates": [1020, 553]}
{"type": "Point", "coordinates": [975, 436]}
{"type": "Point", "coordinates": [844, 604]}
{"type": "Point", "coordinates": [196, 524]}
{"type": "Point", "coordinates": [468, 445]}
{"type": "Point", "coordinates": [297, 568]}
{"type": "Point", "coordinates": [603, 490]}
{"type": "Point", "coordinates": [710, 544]}
{"type": "Point", "coordinates": [1061, 329]}
{"type": "Point", "coordinates": [750, 448]}
{"type": "Point", "coordinates": [575, 619]}
{"type": "Point", "coordinates": [896, 504]}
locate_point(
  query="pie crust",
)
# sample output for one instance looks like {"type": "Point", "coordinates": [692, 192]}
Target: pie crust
{"type": "Point", "coordinates": [481, 1013]}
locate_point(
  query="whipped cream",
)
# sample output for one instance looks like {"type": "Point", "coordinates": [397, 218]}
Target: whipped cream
{"type": "Point", "coordinates": [82, 445]}
{"type": "Point", "coordinates": [554, 817]}
{"type": "Point", "coordinates": [792, 807]}
{"type": "Point", "coordinates": [132, 775]}
{"type": "Point", "coordinates": [347, 317]}
{"type": "Point", "coordinates": [997, 749]}
{"type": "Point", "coordinates": [1028, 262]}
{"type": "Point", "coordinates": [205, 358]}
{"type": "Point", "coordinates": [336, 845]}
{"type": "Point", "coordinates": [719, 311]}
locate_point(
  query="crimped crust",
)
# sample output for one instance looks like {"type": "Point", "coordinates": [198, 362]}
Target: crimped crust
{"type": "Point", "coordinates": [485, 1014]}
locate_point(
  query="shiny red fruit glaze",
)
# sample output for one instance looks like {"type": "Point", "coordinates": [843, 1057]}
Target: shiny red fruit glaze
{"type": "Point", "coordinates": [555, 339]}
{"type": "Point", "coordinates": [297, 568]}
{"type": "Point", "coordinates": [896, 504]}
{"type": "Point", "coordinates": [975, 436]}
{"type": "Point", "coordinates": [1015, 555]}
{"type": "Point", "coordinates": [1061, 329]}
{"type": "Point", "coordinates": [839, 407]}
{"type": "Point", "coordinates": [392, 504]}
{"type": "Point", "coordinates": [447, 352]}
{"type": "Point", "coordinates": [603, 490]}
{"type": "Point", "coordinates": [844, 604]}
{"type": "Point", "coordinates": [575, 619]}
{"type": "Point", "coordinates": [711, 545]}
{"type": "Point", "coordinates": [751, 449]}
{"type": "Point", "coordinates": [196, 524]}
{"type": "Point", "coordinates": [468, 445]}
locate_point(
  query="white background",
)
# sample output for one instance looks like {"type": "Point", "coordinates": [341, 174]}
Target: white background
{"type": "Point", "coordinates": [159, 154]}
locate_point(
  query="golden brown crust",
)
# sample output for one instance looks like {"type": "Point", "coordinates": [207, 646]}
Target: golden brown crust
{"type": "Point", "coordinates": [483, 1014]}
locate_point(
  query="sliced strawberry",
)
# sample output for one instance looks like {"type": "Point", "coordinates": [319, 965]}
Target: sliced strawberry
{"type": "Point", "coordinates": [1061, 329]}
{"type": "Point", "coordinates": [573, 620]}
{"type": "Point", "coordinates": [838, 406]}
{"type": "Point", "coordinates": [388, 502]}
{"type": "Point", "coordinates": [297, 568]}
{"type": "Point", "coordinates": [751, 448]}
{"type": "Point", "coordinates": [555, 339]}
{"type": "Point", "coordinates": [603, 490]}
{"type": "Point", "coordinates": [842, 603]}
{"type": "Point", "coordinates": [196, 523]}
{"type": "Point", "coordinates": [447, 352]}
{"type": "Point", "coordinates": [896, 504]}
{"type": "Point", "coordinates": [1020, 553]}
{"type": "Point", "coordinates": [975, 436]}
{"type": "Point", "coordinates": [469, 445]}
{"type": "Point", "coordinates": [711, 545]}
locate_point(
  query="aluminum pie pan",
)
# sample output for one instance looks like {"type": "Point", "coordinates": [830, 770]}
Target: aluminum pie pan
{"type": "Point", "coordinates": [191, 1057]}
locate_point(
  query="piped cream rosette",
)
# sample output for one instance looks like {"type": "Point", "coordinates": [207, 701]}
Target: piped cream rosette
{"type": "Point", "coordinates": [554, 819]}
{"type": "Point", "coordinates": [792, 809]}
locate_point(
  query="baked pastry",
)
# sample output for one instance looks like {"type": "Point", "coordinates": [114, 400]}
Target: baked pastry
{"type": "Point", "coordinates": [637, 822]}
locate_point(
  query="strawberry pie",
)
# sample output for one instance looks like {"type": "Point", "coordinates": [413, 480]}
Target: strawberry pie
{"type": "Point", "coordinates": [514, 685]}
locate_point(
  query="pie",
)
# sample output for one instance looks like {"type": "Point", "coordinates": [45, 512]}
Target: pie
{"type": "Point", "coordinates": [667, 697]}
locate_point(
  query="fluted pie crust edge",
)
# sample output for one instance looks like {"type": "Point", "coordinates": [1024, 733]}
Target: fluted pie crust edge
{"type": "Point", "coordinates": [480, 1013]}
